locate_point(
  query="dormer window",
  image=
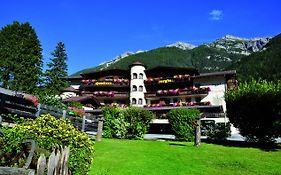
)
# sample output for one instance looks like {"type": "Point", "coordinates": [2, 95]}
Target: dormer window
{"type": "Point", "coordinates": [135, 76]}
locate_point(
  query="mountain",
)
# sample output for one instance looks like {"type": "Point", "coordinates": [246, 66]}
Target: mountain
{"type": "Point", "coordinates": [107, 64]}
{"type": "Point", "coordinates": [265, 64]}
{"type": "Point", "coordinates": [216, 56]}
{"type": "Point", "coordinates": [182, 45]}
{"type": "Point", "coordinates": [238, 45]}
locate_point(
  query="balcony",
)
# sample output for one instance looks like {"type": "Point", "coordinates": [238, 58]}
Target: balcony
{"type": "Point", "coordinates": [176, 93]}
{"type": "Point", "coordinates": [107, 94]}
{"type": "Point", "coordinates": [165, 80]}
{"type": "Point", "coordinates": [178, 104]}
{"type": "Point", "coordinates": [105, 83]}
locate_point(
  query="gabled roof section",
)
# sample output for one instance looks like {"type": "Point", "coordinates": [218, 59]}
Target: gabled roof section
{"type": "Point", "coordinates": [107, 72]}
{"type": "Point", "coordinates": [222, 73]}
{"type": "Point", "coordinates": [83, 99]}
{"type": "Point", "coordinates": [70, 89]}
{"type": "Point", "coordinates": [170, 71]}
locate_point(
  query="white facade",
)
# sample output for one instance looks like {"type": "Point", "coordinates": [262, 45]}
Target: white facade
{"type": "Point", "coordinates": [137, 87]}
{"type": "Point", "coordinates": [217, 86]}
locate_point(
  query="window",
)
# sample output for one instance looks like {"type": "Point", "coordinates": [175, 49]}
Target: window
{"type": "Point", "coordinates": [135, 76]}
{"type": "Point", "coordinates": [134, 88]}
{"type": "Point", "coordinates": [141, 76]}
{"type": "Point", "coordinates": [134, 101]}
{"type": "Point", "coordinates": [140, 101]}
{"type": "Point", "coordinates": [140, 88]}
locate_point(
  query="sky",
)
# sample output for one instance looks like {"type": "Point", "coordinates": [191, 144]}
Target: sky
{"type": "Point", "coordinates": [95, 31]}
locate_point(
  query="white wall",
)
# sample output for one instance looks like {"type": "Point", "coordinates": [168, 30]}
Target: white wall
{"type": "Point", "coordinates": [218, 86]}
{"type": "Point", "coordinates": [137, 82]}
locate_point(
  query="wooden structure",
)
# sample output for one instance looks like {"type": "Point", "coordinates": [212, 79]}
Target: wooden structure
{"type": "Point", "coordinates": [56, 164]}
{"type": "Point", "coordinates": [25, 105]}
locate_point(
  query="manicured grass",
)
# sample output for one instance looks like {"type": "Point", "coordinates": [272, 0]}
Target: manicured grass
{"type": "Point", "coordinates": [154, 157]}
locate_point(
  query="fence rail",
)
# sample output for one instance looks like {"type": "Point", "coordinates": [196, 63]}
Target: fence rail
{"type": "Point", "coordinates": [18, 103]}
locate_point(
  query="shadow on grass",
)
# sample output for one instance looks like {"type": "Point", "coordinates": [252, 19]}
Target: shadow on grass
{"type": "Point", "coordinates": [177, 144]}
{"type": "Point", "coordinates": [243, 144]}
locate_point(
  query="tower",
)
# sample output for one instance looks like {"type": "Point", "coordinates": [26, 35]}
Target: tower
{"type": "Point", "coordinates": [137, 88]}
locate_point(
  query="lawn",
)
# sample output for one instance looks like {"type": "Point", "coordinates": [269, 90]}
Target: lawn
{"type": "Point", "coordinates": [155, 157]}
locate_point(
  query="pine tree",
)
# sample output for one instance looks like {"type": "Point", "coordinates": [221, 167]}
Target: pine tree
{"type": "Point", "coordinates": [57, 69]}
{"type": "Point", "coordinates": [20, 57]}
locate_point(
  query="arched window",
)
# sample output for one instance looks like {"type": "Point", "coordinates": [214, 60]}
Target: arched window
{"type": "Point", "coordinates": [134, 88]}
{"type": "Point", "coordinates": [135, 76]}
{"type": "Point", "coordinates": [141, 76]}
{"type": "Point", "coordinates": [140, 101]}
{"type": "Point", "coordinates": [140, 88]}
{"type": "Point", "coordinates": [134, 101]}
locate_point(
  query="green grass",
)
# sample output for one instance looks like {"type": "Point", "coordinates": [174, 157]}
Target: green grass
{"type": "Point", "coordinates": [154, 157]}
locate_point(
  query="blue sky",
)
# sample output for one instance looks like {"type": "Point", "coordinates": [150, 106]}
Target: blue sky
{"type": "Point", "coordinates": [96, 31]}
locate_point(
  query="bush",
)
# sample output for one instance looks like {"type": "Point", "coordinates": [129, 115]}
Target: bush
{"type": "Point", "coordinates": [218, 131]}
{"type": "Point", "coordinates": [47, 131]}
{"type": "Point", "coordinates": [130, 123]}
{"type": "Point", "coordinates": [114, 125]}
{"type": "Point", "coordinates": [255, 109]}
{"type": "Point", "coordinates": [139, 120]}
{"type": "Point", "coordinates": [183, 123]}
{"type": "Point", "coordinates": [11, 146]}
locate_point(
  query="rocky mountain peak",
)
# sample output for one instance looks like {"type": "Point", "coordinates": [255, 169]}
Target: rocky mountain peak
{"type": "Point", "coordinates": [182, 45]}
{"type": "Point", "coordinates": [237, 45]}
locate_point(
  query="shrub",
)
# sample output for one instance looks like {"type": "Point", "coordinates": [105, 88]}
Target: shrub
{"type": "Point", "coordinates": [139, 120]}
{"type": "Point", "coordinates": [114, 125]}
{"type": "Point", "coordinates": [51, 100]}
{"type": "Point", "coordinates": [11, 146]}
{"type": "Point", "coordinates": [183, 122]}
{"type": "Point", "coordinates": [130, 123]}
{"type": "Point", "coordinates": [47, 131]}
{"type": "Point", "coordinates": [218, 131]}
{"type": "Point", "coordinates": [255, 109]}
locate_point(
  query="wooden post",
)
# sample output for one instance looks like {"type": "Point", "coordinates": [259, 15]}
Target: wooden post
{"type": "Point", "coordinates": [99, 132]}
{"type": "Point", "coordinates": [83, 123]}
{"type": "Point", "coordinates": [41, 165]}
{"type": "Point", "coordinates": [64, 114]}
{"type": "Point", "coordinates": [197, 140]}
{"type": "Point", "coordinates": [38, 110]}
{"type": "Point", "coordinates": [3, 100]}
{"type": "Point", "coordinates": [30, 155]}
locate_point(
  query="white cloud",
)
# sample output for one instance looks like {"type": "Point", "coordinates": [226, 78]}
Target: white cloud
{"type": "Point", "coordinates": [216, 15]}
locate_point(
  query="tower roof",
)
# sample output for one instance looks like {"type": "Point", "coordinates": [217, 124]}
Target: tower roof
{"type": "Point", "coordinates": [137, 63]}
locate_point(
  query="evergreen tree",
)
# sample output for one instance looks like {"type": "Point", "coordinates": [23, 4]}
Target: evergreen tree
{"type": "Point", "coordinates": [57, 69]}
{"type": "Point", "coordinates": [20, 57]}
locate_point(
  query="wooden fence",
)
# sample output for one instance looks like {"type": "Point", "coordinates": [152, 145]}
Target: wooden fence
{"type": "Point", "coordinates": [56, 164]}
{"type": "Point", "coordinates": [12, 102]}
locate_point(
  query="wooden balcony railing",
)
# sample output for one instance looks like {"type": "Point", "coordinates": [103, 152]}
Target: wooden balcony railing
{"type": "Point", "coordinates": [177, 92]}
